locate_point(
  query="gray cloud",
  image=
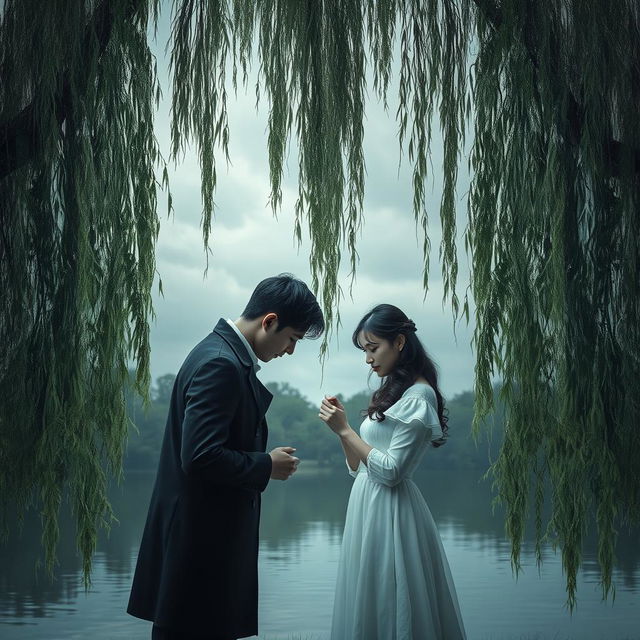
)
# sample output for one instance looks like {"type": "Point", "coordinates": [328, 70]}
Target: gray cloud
{"type": "Point", "coordinates": [248, 244]}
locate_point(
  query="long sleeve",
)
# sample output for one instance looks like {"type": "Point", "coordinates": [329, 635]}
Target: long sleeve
{"type": "Point", "coordinates": [392, 467]}
{"type": "Point", "coordinates": [353, 473]}
{"type": "Point", "coordinates": [416, 422]}
{"type": "Point", "coordinates": [211, 402]}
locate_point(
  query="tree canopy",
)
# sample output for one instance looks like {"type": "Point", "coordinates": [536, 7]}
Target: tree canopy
{"type": "Point", "coordinates": [547, 92]}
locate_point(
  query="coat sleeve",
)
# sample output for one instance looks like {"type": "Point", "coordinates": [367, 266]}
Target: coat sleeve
{"type": "Point", "coordinates": [414, 424]}
{"type": "Point", "coordinates": [212, 399]}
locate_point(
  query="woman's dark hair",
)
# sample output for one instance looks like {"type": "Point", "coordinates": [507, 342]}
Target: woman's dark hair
{"type": "Point", "coordinates": [291, 299]}
{"type": "Point", "coordinates": [388, 322]}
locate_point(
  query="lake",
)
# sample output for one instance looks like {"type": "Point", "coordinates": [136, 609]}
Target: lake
{"type": "Point", "coordinates": [302, 521]}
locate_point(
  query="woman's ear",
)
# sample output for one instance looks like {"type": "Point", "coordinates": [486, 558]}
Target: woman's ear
{"type": "Point", "coordinates": [400, 341]}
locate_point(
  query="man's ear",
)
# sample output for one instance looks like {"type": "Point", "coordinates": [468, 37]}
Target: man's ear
{"type": "Point", "coordinates": [269, 321]}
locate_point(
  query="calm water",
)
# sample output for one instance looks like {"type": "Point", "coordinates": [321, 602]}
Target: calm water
{"type": "Point", "coordinates": [300, 537]}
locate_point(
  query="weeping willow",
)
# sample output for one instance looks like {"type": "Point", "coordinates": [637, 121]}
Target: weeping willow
{"type": "Point", "coordinates": [78, 226]}
{"type": "Point", "coordinates": [546, 93]}
{"type": "Point", "coordinates": [554, 225]}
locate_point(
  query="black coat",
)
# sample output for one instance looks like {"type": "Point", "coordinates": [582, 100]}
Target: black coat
{"type": "Point", "coordinates": [197, 569]}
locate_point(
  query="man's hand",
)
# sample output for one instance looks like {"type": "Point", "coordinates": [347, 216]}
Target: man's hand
{"type": "Point", "coordinates": [283, 463]}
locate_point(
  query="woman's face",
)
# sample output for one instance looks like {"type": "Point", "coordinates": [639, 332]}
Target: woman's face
{"type": "Point", "coordinates": [380, 354]}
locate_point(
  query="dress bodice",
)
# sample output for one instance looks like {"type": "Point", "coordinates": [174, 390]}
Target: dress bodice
{"type": "Point", "coordinates": [402, 438]}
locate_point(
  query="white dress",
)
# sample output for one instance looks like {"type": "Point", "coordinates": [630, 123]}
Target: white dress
{"type": "Point", "coordinates": [394, 581]}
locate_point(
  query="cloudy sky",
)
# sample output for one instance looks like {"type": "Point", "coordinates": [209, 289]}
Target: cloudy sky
{"type": "Point", "coordinates": [249, 244]}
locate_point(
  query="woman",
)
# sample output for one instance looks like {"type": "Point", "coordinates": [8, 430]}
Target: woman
{"type": "Point", "coordinates": [394, 581]}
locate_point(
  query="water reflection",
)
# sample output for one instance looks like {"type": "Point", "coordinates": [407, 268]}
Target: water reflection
{"type": "Point", "coordinates": [290, 509]}
{"type": "Point", "coordinates": [25, 589]}
{"type": "Point", "coordinates": [302, 522]}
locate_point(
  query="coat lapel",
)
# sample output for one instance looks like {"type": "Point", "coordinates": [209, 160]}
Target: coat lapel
{"type": "Point", "coordinates": [261, 394]}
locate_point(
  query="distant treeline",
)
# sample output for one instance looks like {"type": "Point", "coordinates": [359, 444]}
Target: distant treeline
{"type": "Point", "coordinates": [293, 420]}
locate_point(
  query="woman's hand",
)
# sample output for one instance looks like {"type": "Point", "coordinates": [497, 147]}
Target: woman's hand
{"type": "Point", "coordinates": [332, 412]}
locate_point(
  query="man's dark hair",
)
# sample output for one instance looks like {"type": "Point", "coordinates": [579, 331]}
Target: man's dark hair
{"type": "Point", "coordinates": [291, 299]}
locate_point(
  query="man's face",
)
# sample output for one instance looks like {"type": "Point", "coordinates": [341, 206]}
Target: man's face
{"type": "Point", "coordinates": [271, 343]}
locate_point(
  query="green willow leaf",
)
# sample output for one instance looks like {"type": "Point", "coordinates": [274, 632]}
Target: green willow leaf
{"type": "Point", "coordinates": [77, 251]}
{"type": "Point", "coordinates": [546, 94]}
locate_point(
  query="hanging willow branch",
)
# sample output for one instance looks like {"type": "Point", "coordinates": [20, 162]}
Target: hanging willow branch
{"type": "Point", "coordinates": [551, 90]}
{"type": "Point", "coordinates": [77, 237]}
{"type": "Point", "coordinates": [553, 231]}
{"type": "Point", "coordinates": [312, 58]}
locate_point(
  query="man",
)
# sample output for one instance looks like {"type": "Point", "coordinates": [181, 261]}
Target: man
{"type": "Point", "coordinates": [197, 576]}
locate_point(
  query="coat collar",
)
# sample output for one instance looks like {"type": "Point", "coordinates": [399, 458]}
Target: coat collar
{"type": "Point", "coordinates": [261, 394]}
{"type": "Point", "coordinates": [231, 338]}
